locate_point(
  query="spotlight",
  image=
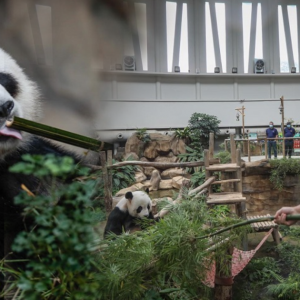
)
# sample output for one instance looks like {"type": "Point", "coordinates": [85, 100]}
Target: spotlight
{"type": "Point", "coordinates": [217, 70]}
{"type": "Point", "coordinates": [293, 69]}
{"type": "Point", "coordinates": [176, 69]}
{"type": "Point", "coordinates": [234, 70]}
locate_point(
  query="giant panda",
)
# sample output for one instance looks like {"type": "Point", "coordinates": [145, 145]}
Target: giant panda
{"type": "Point", "coordinates": [132, 207]}
{"type": "Point", "coordinates": [19, 96]}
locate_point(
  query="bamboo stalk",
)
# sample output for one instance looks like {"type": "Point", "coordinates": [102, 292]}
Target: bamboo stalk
{"type": "Point", "coordinates": [262, 219]}
{"type": "Point", "coordinates": [59, 135]}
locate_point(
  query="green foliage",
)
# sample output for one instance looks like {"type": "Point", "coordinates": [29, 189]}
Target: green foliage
{"type": "Point", "coordinates": [258, 274]}
{"type": "Point", "coordinates": [183, 133]}
{"type": "Point", "coordinates": [288, 288]}
{"type": "Point", "coordinates": [49, 166]}
{"type": "Point", "coordinates": [197, 178]}
{"type": "Point", "coordinates": [167, 261]}
{"type": "Point", "coordinates": [59, 243]}
{"type": "Point", "coordinates": [281, 168]}
{"type": "Point", "coordinates": [201, 125]}
{"type": "Point", "coordinates": [224, 156]}
{"type": "Point", "coordinates": [142, 135]}
{"type": "Point", "coordinates": [191, 155]}
{"type": "Point", "coordinates": [122, 177]}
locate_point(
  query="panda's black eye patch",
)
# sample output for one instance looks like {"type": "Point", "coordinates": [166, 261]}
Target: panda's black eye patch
{"type": "Point", "coordinates": [9, 83]}
{"type": "Point", "coordinates": [139, 209]}
{"type": "Point", "coordinates": [148, 206]}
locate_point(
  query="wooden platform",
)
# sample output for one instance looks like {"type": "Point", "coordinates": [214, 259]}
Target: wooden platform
{"type": "Point", "coordinates": [226, 198]}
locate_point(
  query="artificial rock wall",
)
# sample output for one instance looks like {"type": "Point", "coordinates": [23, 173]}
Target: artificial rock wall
{"type": "Point", "coordinates": [262, 197]}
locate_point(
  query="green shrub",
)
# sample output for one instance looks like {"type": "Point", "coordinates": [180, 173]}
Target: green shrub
{"type": "Point", "coordinates": [281, 168]}
{"type": "Point", "coordinates": [58, 246]}
{"type": "Point", "coordinates": [201, 125]}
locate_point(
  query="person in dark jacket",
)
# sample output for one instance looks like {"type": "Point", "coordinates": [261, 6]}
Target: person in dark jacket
{"type": "Point", "coordinates": [289, 132]}
{"type": "Point", "coordinates": [272, 133]}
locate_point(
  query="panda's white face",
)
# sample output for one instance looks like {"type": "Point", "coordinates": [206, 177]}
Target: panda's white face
{"type": "Point", "coordinates": [18, 97]}
{"type": "Point", "coordinates": [139, 206]}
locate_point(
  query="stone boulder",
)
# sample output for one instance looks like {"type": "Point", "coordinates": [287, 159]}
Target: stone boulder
{"type": "Point", "coordinates": [155, 180]}
{"type": "Point", "coordinates": [133, 188]}
{"type": "Point", "coordinates": [177, 146]}
{"type": "Point", "coordinates": [133, 144]}
{"type": "Point", "coordinates": [166, 159]}
{"type": "Point", "coordinates": [150, 151]}
{"type": "Point", "coordinates": [130, 156]}
{"type": "Point", "coordinates": [140, 177]}
{"type": "Point", "coordinates": [173, 172]}
{"type": "Point", "coordinates": [165, 184]}
{"type": "Point", "coordinates": [177, 181]}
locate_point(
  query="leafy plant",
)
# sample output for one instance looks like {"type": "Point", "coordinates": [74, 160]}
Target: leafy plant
{"type": "Point", "coordinates": [224, 156]}
{"type": "Point", "coordinates": [122, 177]}
{"type": "Point", "coordinates": [287, 288]}
{"type": "Point", "coordinates": [155, 262]}
{"type": "Point", "coordinates": [281, 168]}
{"type": "Point", "coordinates": [142, 135]}
{"type": "Point", "coordinates": [251, 282]}
{"type": "Point", "coordinates": [201, 125]}
{"type": "Point", "coordinates": [58, 245]}
{"type": "Point", "coordinates": [198, 178]}
{"type": "Point", "coordinates": [190, 156]}
{"type": "Point", "coordinates": [183, 134]}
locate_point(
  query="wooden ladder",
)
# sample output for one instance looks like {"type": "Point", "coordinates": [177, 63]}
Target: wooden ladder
{"type": "Point", "coordinates": [232, 171]}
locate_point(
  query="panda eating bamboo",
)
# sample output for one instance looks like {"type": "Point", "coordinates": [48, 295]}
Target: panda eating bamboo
{"type": "Point", "coordinates": [19, 96]}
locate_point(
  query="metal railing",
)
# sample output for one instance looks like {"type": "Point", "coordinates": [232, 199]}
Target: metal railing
{"type": "Point", "coordinates": [262, 142]}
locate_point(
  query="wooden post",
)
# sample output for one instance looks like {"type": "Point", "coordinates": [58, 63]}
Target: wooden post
{"type": "Point", "coordinates": [232, 148]}
{"type": "Point", "coordinates": [243, 120]}
{"type": "Point", "coordinates": [211, 145]}
{"type": "Point", "coordinates": [225, 144]}
{"type": "Point", "coordinates": [206, 165]}
{"type": "Point", "coordinates": [106, 182]}
{"type": "Point", "coordinates": [242, 112]}
{"type": "Point", "coordinates": [249, 156]}
{"type": "Point", "coordinates": [282, 124]}
{"type": "Point", "coordinates": [223, 281]}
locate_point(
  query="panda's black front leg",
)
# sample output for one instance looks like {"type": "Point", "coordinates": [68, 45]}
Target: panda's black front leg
{"type": "Point", "coordinates": [115, 222]}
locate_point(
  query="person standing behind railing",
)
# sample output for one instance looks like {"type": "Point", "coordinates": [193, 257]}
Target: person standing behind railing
{"type": "Point", "coordinates": [272, 132]}
{"type": "Point", "coordinates": [289, 131]}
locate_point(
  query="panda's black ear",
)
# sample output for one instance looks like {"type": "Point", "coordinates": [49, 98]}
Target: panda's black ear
{"type": "Point", "coordinates": [147, 191]}
{"type": "Point", "coordinates": [128, 196]}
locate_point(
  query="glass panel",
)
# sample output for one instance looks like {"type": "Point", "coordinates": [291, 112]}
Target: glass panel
{"type": "Point", "coordinates": [292, 14]}
{"type": "Point", "coordinates": [247, 10]}
{"type": "Point", "coordinates": [210, 52]}
{"type": "Point", "coordinates": [127, 37]}
{"type": "Point", "coordinates": [141, 22]}
{"type": "Point", "coordinates": [171, 18]}
{"type": "Point", "coordinates": [44, 15]}
{"type": "Point", "coordinates": [258, 40]}
{"type": "Point", "coordinates": [284, 62]}
{"type": "Point", "coordinates": [220, 14]}
{"type": "Point", "coordinates": [184, 48]}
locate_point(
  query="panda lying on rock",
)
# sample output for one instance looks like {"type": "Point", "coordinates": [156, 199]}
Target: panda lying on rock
{"type": "Point", "coordinates": [123, 218]}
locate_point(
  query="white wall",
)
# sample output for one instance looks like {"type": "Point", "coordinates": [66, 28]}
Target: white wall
{"type": "Point", "coordinates": [166, 101]}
